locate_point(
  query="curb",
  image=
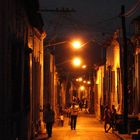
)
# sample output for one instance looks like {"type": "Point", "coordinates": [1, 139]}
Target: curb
{"type": "Point", "coordinates": [117, 135]}
{"type": "Point", "coordinates": [122, 136]}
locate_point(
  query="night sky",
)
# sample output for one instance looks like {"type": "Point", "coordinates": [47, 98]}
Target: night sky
{"type": "Point", "coordinates": [93, 20]}
{"type": "Point", "coordinates": [92, 17]}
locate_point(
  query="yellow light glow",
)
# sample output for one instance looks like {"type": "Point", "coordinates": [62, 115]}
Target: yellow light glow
{"type": "Point", "coordinates": [80, 79]}
{"type": "Point", "coordinates": [98, 76]}
{"type": "Point", "coordinates": [77, 80]}
{"type": "Point", "coordinates": [84, 81]}
{"type": "Point", "coordinates": [76, 44]}
{"type": "Point", "coordinates": [84, 66]}
{"type": "Point", "coordinates": [77, 61]}
{"type": "Point", "coordinates": [117, 57]}
{"type": "Point", "coordinates": [88, 82]}
{"type": "Point", "coordinates": [82, 88]}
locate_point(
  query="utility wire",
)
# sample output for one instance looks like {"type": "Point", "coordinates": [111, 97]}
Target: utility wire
{"type": "Point", "coordinates": [78, 25]}
{"type": "Point", "coordinates": [132, 10]}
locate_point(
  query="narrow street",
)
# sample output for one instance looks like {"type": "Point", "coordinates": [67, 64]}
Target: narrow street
{"type": "Point", "coordinates": [57, 56]}
{"type": "Point", "coordinates": [88, 128]}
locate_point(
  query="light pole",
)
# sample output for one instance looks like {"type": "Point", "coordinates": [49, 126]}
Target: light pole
{"type": "Point", "coordinates": [125, 73]}
{"type": "Point", "coordinates": [75, 43]}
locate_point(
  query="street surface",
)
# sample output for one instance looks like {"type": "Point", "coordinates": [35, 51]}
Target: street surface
{"type": "Point", "coordinates": [88, 128]}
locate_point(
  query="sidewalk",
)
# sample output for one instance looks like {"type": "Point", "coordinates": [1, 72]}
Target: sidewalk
{"type": "Point", "coordinates": [88, 128]}
{"type": "Point", "coordinates": [123, 136]}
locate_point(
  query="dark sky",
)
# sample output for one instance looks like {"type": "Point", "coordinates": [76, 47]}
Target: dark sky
{"type": "Point", "coordinates": [93, 18]}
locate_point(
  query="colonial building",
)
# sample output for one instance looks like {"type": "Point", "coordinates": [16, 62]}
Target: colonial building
{"type": "Point", "coordinates": [21, 68]}
{"type": "Point", "coordinates": [135, 90]}
{"type": "Point", "coordinates": [109, 80]}
{"type": "Point", "coordinates": [113, 75]}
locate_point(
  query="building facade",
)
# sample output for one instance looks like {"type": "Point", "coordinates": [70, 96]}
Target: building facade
{"type": "Point", "coordinates": [135, 90]}
{"type": "Point", "coordinates": [18, 24]}
{"type": "Point", "coordinates": [108, 85]}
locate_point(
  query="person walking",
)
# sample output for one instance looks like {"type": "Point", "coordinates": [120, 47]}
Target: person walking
{"type": "Point", "coordinates": [107, 119]}
{"type": "Point", "coordinates": [49, 119]}
{"type": "Point", "coordinates": [62, 119]}
{"type": "Point", "coordinates": [74, 114]}
{"type": "Point", "coordinates": [113, 117]}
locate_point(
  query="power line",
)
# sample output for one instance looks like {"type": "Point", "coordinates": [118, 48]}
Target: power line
{"type": "Point", "coordinates": [132, 10]}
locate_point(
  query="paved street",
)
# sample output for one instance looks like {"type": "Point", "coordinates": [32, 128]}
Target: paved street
{"type": "Point", "coordinates": [88, 128]}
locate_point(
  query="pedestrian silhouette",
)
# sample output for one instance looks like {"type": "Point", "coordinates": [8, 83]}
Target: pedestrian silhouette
{"type": "Point", "coordinates": [107, 119]}
{"type": "Point", "coordinates": [74, 114]}
{"type": "Point", "coordinates": [49, 119]}
{"type": "Point", "coordinates": [62, 119]}
{"type": "Point", "coordinates": [113, 117]}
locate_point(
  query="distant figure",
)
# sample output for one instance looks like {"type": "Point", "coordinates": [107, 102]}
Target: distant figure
{"type": "Point", "coordinates": [49, 119]}
{"type": "Point", "coordinates": [74, 114]}
{"type": "Point", "coordinates": [62, 119]}
{"type": "Point", "coordinates": [81, 104]}
{"type": "Point", "coordinates": [67, 111]}
{"type": "Point", "coordinates": [86, 106]}
{"type": "Point", "coordinates": [107, 119]}
{"type": "Point", "coordinates": [113, 117]}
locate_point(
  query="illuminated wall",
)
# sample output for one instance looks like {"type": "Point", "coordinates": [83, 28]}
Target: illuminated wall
{"type": "Point", "coordinates": [35, 42]}
{"type": "Point", "coordinates": [99, 91]}
{"type": "Point", "coordinates": [113, 71]}
{"type": "Point", "coordinates": [137, 81]}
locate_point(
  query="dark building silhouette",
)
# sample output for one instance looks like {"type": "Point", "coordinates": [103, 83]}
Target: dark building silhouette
{"type": "Point", "coordinates": [17, 17]}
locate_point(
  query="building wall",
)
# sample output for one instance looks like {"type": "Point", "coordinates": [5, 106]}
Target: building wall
{"type": "Point", "coordinates": [46, 77]}
{"type": "Point", "coordinates": [56, 93]}
{"type": "Point", "coordinates": [13, 58]}
{"type": "Point", "coordinates": [63, 94]}
{"type": "Point", "coordinates": [137, 82]}
{"type": "Point", "coordinates": [15, 84]}
{"type": "Point", "coordinates": [50, 80]}
{"type": "Point", "coordinates": [108, 81]}
{"type": "Point", "coordinates": [35, 42]}
{"type": "Point", "coordinates": [134, 93]}
{"type": "Point", "coordinates": [114, 86]}
{"type": "Point", "coordinates": [99, 92]}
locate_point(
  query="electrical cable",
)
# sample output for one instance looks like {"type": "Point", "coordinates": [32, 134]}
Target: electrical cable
{"type": "Point", "coordinates": [132, 10]}
{"type": "Point", "coordinates": [78, 25]}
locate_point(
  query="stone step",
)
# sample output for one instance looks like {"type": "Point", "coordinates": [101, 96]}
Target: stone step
{"type": "Point", "coordinates": [134, 133]}
{"type": "Point", "coordinates": [138, 131]}
{"type": "Point", "coordinates": [135, 137]}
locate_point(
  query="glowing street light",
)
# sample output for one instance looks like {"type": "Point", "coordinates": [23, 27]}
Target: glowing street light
{"type": "Point", "coordinates": [77, 61]}
{"type": "Point", "coordinates": [82, 88]}
{"type": "Point", "coordinates": [88, 82]}
{"type": "Point", "coordinates": [84, 66]}
{"type": "Point", "coordinates": [76, 44]}
{"type": "Point", "coordinates": [77, 80]}
{"type": "Point", "coordinates": [80, 79]}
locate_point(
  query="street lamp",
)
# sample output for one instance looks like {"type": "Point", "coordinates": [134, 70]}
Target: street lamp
{"type": "Point", "coordinates": [82, 88]}
{"type": "Point", "coordinates": [88, 82]}
{"type": "Point", "coordinates": [76, 44]}
{"type": "Point", "coordinates": [84, 66]}
{"type": "Point", "coordinates": [77, 61]}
